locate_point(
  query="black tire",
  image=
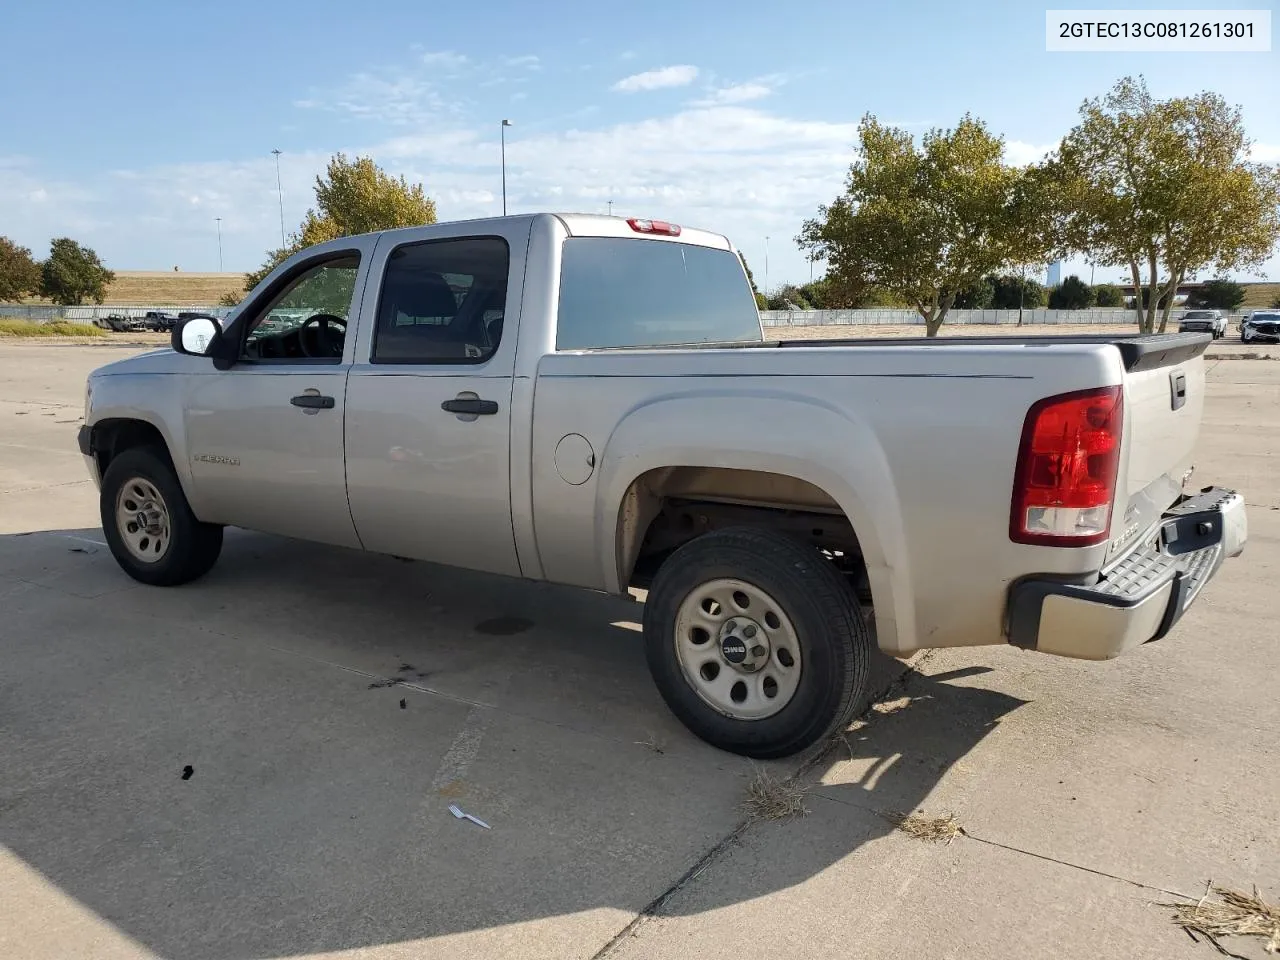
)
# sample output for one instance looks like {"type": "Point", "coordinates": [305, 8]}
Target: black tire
{"type": "Point", "coordinates": [830, 629]}
{"type": "Point", "coordinates": [193, 546]}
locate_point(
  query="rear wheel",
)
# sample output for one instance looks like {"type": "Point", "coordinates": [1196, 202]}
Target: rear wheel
{"type": "Point", "coordinates": [756, 643]}
{"type": "Point", "coordinates": [148, 523]}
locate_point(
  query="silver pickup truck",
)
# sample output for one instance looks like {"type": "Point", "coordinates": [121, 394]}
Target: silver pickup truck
{"type": "Point", "coordinates": [591, 401]}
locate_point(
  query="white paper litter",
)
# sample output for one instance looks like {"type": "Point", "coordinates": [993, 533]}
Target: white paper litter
{"type": "Point", "coordinates": [453, 808]}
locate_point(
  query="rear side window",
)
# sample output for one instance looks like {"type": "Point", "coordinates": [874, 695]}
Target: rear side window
{"type": "Point", "coordinates": [442, 301]}
{"type": "Point", "coordinates": [617, 292]}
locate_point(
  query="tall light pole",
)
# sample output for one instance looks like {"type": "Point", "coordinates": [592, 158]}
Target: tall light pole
{"type": "Point", "coordinates": [280, 194]}
{"type": "Point", "coordinates": [219, 219]}
{"type": "Point", "coordinates": [503, 133]}
{"type": "Point", "coordinates": [611, 208]}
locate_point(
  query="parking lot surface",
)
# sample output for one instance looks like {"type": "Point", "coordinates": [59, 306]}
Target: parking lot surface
{"type": "Point", "coordinates": [330, 706]}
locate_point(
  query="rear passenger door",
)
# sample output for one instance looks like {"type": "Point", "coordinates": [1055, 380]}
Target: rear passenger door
{"type": "Point", "coordinates": [428, 426]}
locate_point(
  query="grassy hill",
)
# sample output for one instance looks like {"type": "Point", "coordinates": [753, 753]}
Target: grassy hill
{"type": "Point", "coordinates": [1260, 295]}
{"type": "Point", "coordinates": [170, 288]}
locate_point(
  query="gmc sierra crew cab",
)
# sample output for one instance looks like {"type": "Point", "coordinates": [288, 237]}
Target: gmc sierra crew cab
{"type": "Point", "coordinates": [592, 401]}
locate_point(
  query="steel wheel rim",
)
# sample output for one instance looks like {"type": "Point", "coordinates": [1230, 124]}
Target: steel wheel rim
{"type": "Point", "coordinates": [142, 520]}
{"type": "Point", "coordinates": [720, 627]}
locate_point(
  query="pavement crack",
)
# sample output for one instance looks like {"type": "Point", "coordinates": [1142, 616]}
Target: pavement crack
{"type": "Point", "coordinates": [891, 690]}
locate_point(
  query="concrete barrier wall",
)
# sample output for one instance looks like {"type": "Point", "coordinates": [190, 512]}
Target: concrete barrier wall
{"type": "Point", "coordinates": [48, 313]}
{"type": "Point", "coordinates": [888, 317]}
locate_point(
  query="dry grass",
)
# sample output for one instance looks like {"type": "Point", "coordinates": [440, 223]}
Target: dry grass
{"type": "Point", "coordinates": [891, 706]}
{"type": "Point", "coordinates": [769, 798]}
{"type": "Point", "coordinates": [1260, 295]}
{"type": "Point", "coordinates": [61, 328]}
{"type": "Point", "coordinates": [176, 289]}
{"type": "Point", "coordinates": [1231, 914]}
{"type": "Point", "coordinates": [931, 829]}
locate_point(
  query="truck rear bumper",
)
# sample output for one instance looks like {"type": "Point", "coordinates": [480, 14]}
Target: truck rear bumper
{"type": "Point", "coordinates": [1141, 597]}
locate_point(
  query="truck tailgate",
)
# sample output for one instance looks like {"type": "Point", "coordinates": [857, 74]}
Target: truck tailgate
{"type": "Point", "coordinates": [1164, 403]}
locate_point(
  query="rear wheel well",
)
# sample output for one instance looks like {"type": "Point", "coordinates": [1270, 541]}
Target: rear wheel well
{"type": "Point", "coordinates": [110, 438]}
{"type": "Point", "coordinates": [665, 508]}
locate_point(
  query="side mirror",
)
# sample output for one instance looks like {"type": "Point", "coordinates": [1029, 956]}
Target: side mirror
{"type": "Point", "coordinates": [197, 336]}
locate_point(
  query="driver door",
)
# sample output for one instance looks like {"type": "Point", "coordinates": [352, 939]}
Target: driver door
{"type": "Point", "coordinates": [265, 437]}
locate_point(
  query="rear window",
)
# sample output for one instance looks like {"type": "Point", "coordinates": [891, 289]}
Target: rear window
{"type": "Point", "coordinates": [647, 293]}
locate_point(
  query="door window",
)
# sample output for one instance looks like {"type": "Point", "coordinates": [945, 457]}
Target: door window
{"type": "Point", "coordinates": [306, 321]}
{"type": "Point", "coordinates": [442, 301]}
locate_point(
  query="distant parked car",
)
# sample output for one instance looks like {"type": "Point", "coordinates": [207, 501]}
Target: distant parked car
{"type": "Point", "coordinates": [1262, 325]}
{"type": "Point", "coordinates": [1204, 321]}
{"type": "Point", "coordinates": [119, 324]}
{"type": "Point", "coordinates": [161, 322]}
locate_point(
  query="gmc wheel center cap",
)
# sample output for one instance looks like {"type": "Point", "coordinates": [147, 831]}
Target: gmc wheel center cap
{"type": "Point", "coordinates": [744, 644]}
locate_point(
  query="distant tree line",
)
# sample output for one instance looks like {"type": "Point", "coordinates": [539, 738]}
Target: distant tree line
{"type": "Point", "coordinates": [71, 275]}
{"type": "Point", "coordinates": [1162, 188]}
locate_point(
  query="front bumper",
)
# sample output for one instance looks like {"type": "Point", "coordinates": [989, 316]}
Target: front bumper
{"type": "Point", "coordinates": [1141, 597]}
{"type": "Point", "coordinates": [1259, 336]}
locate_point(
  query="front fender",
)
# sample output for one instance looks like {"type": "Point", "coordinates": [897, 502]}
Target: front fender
{"type": "Point", "coordinates": [779, 433]}
{"type": "Point", "coordinates": [154, 399]}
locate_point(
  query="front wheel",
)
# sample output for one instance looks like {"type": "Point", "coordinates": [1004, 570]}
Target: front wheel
{"type": "Point", "coordinates": [148, 523]}
{"type": "Point", "coordinates": [756, 642]}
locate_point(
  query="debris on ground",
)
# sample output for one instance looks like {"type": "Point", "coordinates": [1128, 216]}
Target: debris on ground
{"type": "Point", "coordinates": [453, 808]}
{"type": "Point", "coordinates": [769, 798]}
{"type": "Point", "coordinates": [891, 706]}
{"type": "Point", "coordinates": [932, 829]}
{"type": "Point", "coordinates": [187, 771]}
{"type": "Point", "coordinates": [404, 704]}
{"type": "Point", "coordinates": [1231, 914]}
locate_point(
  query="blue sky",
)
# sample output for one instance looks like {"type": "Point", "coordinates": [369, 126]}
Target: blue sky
{"type": "Point", "coordinates": [131, 126]}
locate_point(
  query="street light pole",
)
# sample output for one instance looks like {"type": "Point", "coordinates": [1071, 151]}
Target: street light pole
{"type": "Point", "coordinates": [503, 132]}
{"type": "Point", "coordinates": [611, 208]}
{"type": "Point", "coordinates": [219, 219]}
{"type": "Point", "coordinates": [280, 194]}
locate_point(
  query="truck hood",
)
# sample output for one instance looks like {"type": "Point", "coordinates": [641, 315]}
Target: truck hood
{"type": "Point", "coordinates": [164, 360]}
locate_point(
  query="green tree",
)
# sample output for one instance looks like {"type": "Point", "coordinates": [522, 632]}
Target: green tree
{"type": "Point", "coordinates": [980, 296]}
{"type": "Point", "coordinates": [1108, 295]}
{"type": "Point", "coordinates": [19, 273]}
{"type": "Point", "coordinates": [1014, 292]}
{"type": "Point", "coordinates": [925, 224]}
{"type": "Point", "coordinates": [761, 302]}
{"type": "Point", "coordinates": [352, 197]}
{"type": "Point", "coordinates": [73, 274]}
{"type": "Point", "coordinates": [1219, 294]}
{"type": "Point", "coordinates": [1163, 187]}
{"type": "Point", "coordinates": [1073, 294]}
{"type": "Point", "coordinates": [787, 296]}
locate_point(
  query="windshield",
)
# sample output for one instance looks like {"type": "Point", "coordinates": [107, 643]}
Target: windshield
{"type": "Point", "coordinates": [1268, 317]}
{"type": "Point", "coordinates": [1200, 315]}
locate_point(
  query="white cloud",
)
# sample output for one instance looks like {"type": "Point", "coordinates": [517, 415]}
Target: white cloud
{"type": "Point", "coordinates": [1020, 154]}
{"type": "Point", "coordinates": [529, 61]}
{"type": "Point", "coordinates": [1265, 153]}
{"type": "Point", "coordinates": [677, 76]}
{"type": "Point", "coordinates": [738, 93]}
{"type": "Point", "coordinates": [444, 58]}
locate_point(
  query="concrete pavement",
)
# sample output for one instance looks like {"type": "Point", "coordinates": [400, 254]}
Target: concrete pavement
{"type": "Point", "coordinates": [315, 822]}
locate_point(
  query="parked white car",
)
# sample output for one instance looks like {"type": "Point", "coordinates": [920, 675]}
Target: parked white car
{"type": "Point", "coordinates": [1204, 321]}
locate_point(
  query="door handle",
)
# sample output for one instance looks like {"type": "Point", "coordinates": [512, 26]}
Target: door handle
{"type": "Point", "coordinates": [313, 400]}
{"type": "Point", "coordinates": [472, 405]}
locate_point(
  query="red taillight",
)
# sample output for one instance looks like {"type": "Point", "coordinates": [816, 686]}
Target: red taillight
{"type": "Point", "coordinates": [654, 226]}
{"type": "Point", "coordinates": [1065, 479]}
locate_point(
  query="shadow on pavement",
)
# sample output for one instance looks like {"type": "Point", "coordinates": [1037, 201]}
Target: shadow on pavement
{"type": "Point", "coordinates": [330, 706]}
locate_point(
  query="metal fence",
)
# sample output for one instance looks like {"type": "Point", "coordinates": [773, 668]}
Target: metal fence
{"type": "Point", "coordinates": [48, 313]}
{"type": "Point", "coordinates": [888, 317]}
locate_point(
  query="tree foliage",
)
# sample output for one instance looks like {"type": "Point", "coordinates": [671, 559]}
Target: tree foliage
{"type": "Point", "coordinates": [19, 273]}
{"type": "Point", "coordinates": [73, 274]}
{"type": "Point", "coordinates": [1219, 294]}
{"type": "Point", "coordinates": [1163, 187]}
{"type": "Point", "coordinates": [761, 302]}
{"type": "Point", "coordinates": [352, 197]}
{"type": "Point", "coordinates": [1108, 295]}
{"type": "Point", "coordinates": [1013, 292]}
{"type": "Point", "coordinates": [925, 224]}
{"type": "Point", "coordinates": [1072, 294]}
